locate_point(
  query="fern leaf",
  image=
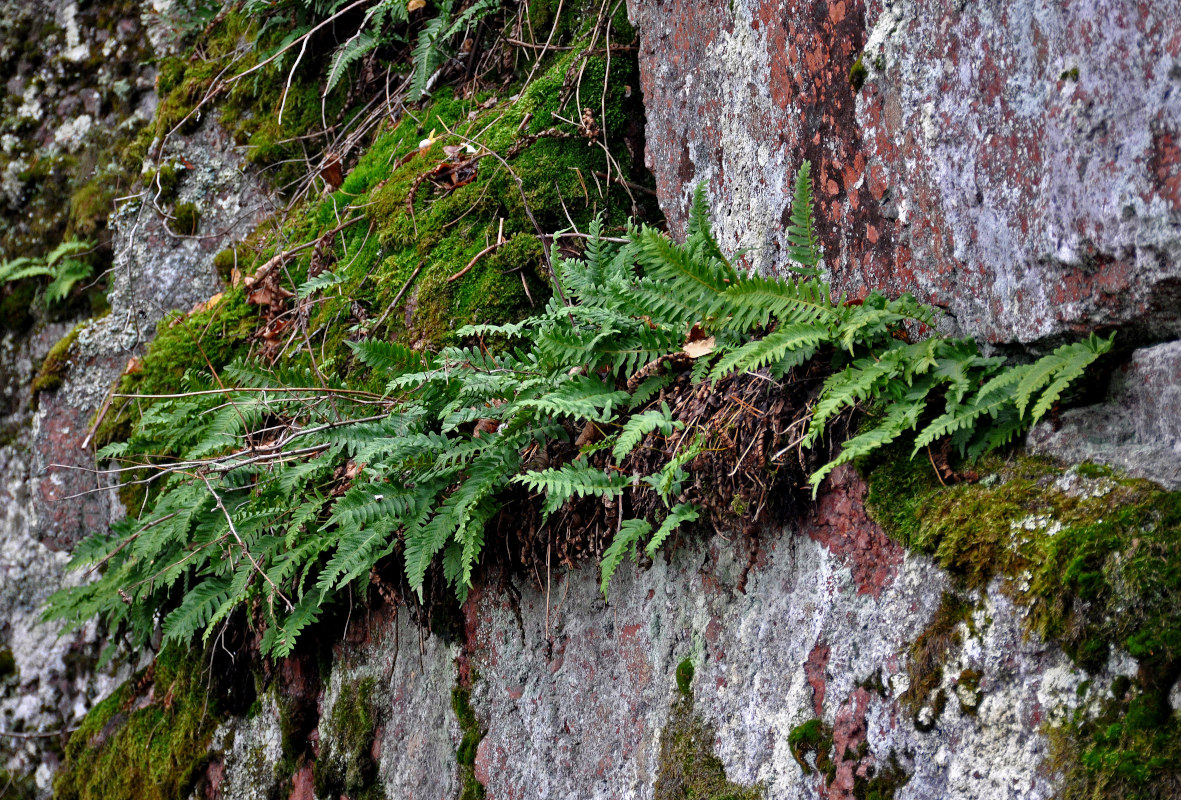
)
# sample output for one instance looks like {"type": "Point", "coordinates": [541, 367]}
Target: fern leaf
{"type": "Point", "coordinates": [772, 348]}
{"type": "Point", "coordinates": [640, 426]}
{"type": "Point", "coordinates": [582, 397]}
{"type": "Point", "coordinates": [803, 246]}
{"type": "Point", "coordinates": [563, 483]}
{"type": "Point", "coordinates": [677, 516]}
{"type": "Point", "coordinates": [626, 538]}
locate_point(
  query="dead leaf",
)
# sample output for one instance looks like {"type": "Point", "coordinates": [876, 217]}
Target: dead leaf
{"type": "Point", "coordinates": [699, 347]}
{"type": "Point", "coordinates": [414, 5]}
{"type": "Point", "coordinates": [332, 171]}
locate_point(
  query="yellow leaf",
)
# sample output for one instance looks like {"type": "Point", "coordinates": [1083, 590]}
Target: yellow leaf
{"type": "Point", "coordinates": [414, 5]}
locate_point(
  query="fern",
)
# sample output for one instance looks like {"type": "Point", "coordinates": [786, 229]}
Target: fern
{"type": "Point", "coordinates": [640, 426]}
{"type": "Point", "coordinates": [280, 500]}
{"type": "Point", "coordinates": [803, 246]}
{"type": "Point", "coordinates": [626, 539]}
{"type": "Point", "coordinates": [573, 480]}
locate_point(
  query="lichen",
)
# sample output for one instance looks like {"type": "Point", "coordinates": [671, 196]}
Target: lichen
{"type": "Point", "coordinates": [688, 767]}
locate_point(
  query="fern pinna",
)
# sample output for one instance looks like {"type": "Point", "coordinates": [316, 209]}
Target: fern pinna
{"type": "Point", "coordinates": [277, 498]}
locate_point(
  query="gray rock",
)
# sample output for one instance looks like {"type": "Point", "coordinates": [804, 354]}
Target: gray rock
{"type": "Point", "coordinates": [1137, 428]}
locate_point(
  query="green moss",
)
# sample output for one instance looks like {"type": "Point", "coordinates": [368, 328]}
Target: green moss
{"type": "Point", "coordinates": [811, 738]}
{"type": "Point", "coordinates": [898, 487]}
{"type": "Point", "coordinates": [16, 306]}
{"type": "Point", "coordinates": [927, 655]}
{"type": "Point", "coordinates": [144, 745]}
{"type": "Point", "coordinates": [346, 764]}
{"type": "Point", "coordinates": [1102, 558]}
{"type": "Point", "coordinates": [186, 217]}
{"type": "Point", "coordinates": [857, 74]}
{"type": "Point", "coordinates": [1069, 75]}
{"type": "Point", "coordinates": [882, 783]}
{"type": "Point", "coordinates": [465, 756]}
{"type": "Point", "coordinates": [8, 668]}
{"type": "Point", "coordinates": [227, 261]}
{"type": "Point", "coordinates": [688, 768]}
{"type": "Point", "coordinates": [685, 677]}
{"type": "Point", "coordinates": [90, 205]}
{"type": "Point", "coordinates": [18, 787]}
{"type": "Point", "coordinates": [165, 182]}
{"type": "Point", "coordinates": [55, 365]}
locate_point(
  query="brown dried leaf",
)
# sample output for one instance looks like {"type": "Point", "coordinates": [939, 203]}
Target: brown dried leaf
{"type": "Point", "coordinates": [696, 348]}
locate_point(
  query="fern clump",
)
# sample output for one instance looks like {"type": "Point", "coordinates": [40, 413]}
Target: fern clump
{"type": "Point", "coordinates": [664, 359]}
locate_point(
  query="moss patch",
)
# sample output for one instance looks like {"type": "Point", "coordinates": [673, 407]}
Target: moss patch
{"type": "Point", "coordinates": [148, 740]}
{"type": "Point", "coordinates": [186, 218]}
{"type": "Point", "coordinates": [811, 739]}
{"type": "Point", "coordinates": [927, 655]}
{"type": "Point", "coordinates": [55, 366]}
{"type": "Point", "coordinates": [1096, 558]}
{"type": "Point", "coordinates": [465, 756]}
{"type": "Point", "coordinates": [346, 765]}
{"type": "Point", "coordinates": [689, 769]}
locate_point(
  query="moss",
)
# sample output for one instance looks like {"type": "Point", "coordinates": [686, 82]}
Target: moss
{"type": "Point", "coordinates": [898, 486]}
{"type": "Point", "coordinates": [346, 764]}
{"type": "Point", "coordinates": [929, 652]}
{"type": "Point", "coordinates": [16, 306]}
{"type": "Point", "coordinates": [186, 217]}
{"type": "Point", "coordinates": [1069, 75]}
{"type": "Point", "coordinates": [90, 205]}
{"type": "Point", "coordinates": [148, 740]}
{"type": "Point", "coordinates": [8, 668]}
{"type": "Point", "coordinates": [472, 734]}
{"type": "Point", "coordinates": [685, 677]}
{"type": "Point", "coordinates": [165, 181]}
{"type": "Point", "coordinates": [968, 691]}
{"type": "Point", "coordinates": [813, 738]}
{"type": "Point", "coordinates": [688, 768]}
{"type": "Point", "coordinates": [18, 787]}
{"type": "Point", "coordinates": [227, 261]}
{"type": "Point", "coordinates": [1098, 558]}
{"type": "Point", "coordinates": [881, 784]}
{"type": "Point", "coordinates": [857, 74]}
{"type": "Point", "coordinates": [55, 365]}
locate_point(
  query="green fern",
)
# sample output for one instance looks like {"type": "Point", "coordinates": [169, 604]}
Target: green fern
{"type": "Point", "coordinates": [284, 529]}
{"type": "Point", "coordinates": [803, 246]}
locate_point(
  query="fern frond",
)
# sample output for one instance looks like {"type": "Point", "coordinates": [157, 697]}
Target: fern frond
{"type": "Point", "coordinates": [640, 425]}
{"type": "Point", "coordinates": [677, 516]}
{"type": "Point", "coordinates": [803, 246]}
{"type": "Point", "coordinates": [755, 301]}
{"type": "Point", "coordinates": [570, 480]}
{"type": "Point", "coordinates": [630, 533]}
{"type": "Point", "coordinates": [772, 348]}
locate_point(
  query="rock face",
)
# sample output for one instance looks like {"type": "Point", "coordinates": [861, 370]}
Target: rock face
{"type": "Point", "coordinates": [1137, 428]}
{"type": "Point", "coordinates": [1015, 162]}
{"type": "Point", "coordinates": [1018, 163]}
{"type": "Point", "coordinates": [155, 272]}
{"type": "Point", "coordinates": [574, 695]}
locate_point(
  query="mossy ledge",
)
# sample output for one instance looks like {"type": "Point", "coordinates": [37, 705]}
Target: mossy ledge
{"type": "Point", "coordinates": [1096, 559]}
